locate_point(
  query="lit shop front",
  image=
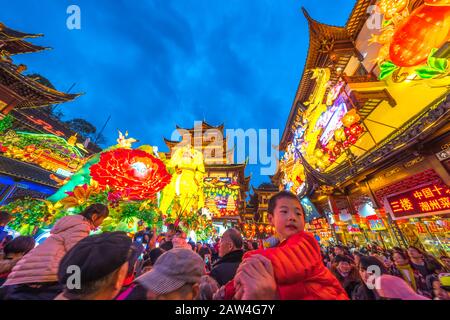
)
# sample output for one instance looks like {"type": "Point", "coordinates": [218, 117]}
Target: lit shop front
{"type": "Point", "coordinates": [422, 214]}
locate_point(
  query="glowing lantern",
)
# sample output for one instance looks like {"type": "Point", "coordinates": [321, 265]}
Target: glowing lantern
{"type": "Point", "coordinates": [347, 132]}
{"type": "Point", "coordinates": [352, 139]}
{"type": "Point", "coordinates": [337, 149]}
{"type": "Point", "coordinates": [426, 28]}
{"type": "Point", "coordinates": [318, 153]}
{"type": "Point", "coordinates": [392, 7]}
{"type": "Point", "coordinates": [346, 143]}
{"type": "Point", "coordinates": [339, 135]}
{"type": "Point", "coordinates": [331, 145]}
{"type": "Point", "coordinates": [132, 174]}
{"type": "Point", "coordinates": [268, 229]}
{"type": "Point", "coordinates": [350, 118]}
{"type": "Point", "coordinates": [332, 159]}
{"type": "Point", "coordinates": [356, 129]}
{"type": "Point", "coordinates": [261, 228]}
{"type": "Point", "coordinates": [253, 227]}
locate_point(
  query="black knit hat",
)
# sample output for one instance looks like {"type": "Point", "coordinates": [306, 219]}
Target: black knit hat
{"type": "Point", "coordinates": [97, 256]}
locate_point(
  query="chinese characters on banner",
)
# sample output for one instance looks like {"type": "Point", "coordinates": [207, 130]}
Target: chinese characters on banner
{"type": "Point", "coordinates": [424, 200]}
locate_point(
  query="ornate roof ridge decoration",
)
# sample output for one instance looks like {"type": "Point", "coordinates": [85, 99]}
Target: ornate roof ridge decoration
{"type": "Point", "coordinates": [205, 125]}
{"type": "Point", "coordinates": [20, 47]}
{"type": "Point", "coordinates": [420, 127]}
{"type": "Point", "coordinates": [327, 45]}
{"type": "Point", "coordinates": [8, 34]}
{"type": "Point", "coordinates": [33, 93]}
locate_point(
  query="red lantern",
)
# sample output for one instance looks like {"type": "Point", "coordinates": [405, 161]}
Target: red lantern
{"type": "Point", "coordinates": [355, 129]}
{"type": "Point", "coordinates": [332, 159]}
{"type": "Point", "coordinates": [352, 139]}
{"type": "Point", "coordinates": [345, 144]}
{"type": "Point", "coordinates": [337, 149]}
{"type": "Point", "coordinates": [347, 132]}
{"type": "Point", "coordinates": [426, 28]}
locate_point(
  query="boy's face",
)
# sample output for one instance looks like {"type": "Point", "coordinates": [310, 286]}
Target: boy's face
{"type": "Point", "coordinates": [287, 217]}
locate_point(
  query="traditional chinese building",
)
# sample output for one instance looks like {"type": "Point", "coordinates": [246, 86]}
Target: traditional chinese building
{"type": "Point", "coordinates": [263, 193]}
{"type": "Point", "coordinates": [37, 149]}
{"type": "Point", "coordinates": [367, 138]}
{"type": "Point", "coordinates": [225, 182]}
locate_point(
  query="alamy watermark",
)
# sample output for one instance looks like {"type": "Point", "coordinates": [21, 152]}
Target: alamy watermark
{"type": "Point", "coordinates": [74, 280]}
{"type": "Point", "coordinates": [73, 21]}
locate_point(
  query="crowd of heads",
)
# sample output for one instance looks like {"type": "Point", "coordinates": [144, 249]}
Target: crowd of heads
{"type": "Point", "coordinates": [169, 266]}
{"type": "Point", "coordinates": [413, 273]}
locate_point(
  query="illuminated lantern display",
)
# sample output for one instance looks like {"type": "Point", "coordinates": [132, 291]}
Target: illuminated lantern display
{"type": "Point", "coordinates": [133, 174]}
{"type": "Point", "coordinates": [350, 118]}
{"type": "Point", "coordinates": [392, 7]}
{"type": "Point", "coordinates": [352, 139]}
{"type": "Point", "coordinates": [426, 28]}
{"type": "Point", "coordinates": [356, 129]}
{"type": "Point", "coordinates": [339, 135]}
{"type": "Point", "coordinates": [338, 149]}
{"type": "Point", "coordinates": [187, 182]}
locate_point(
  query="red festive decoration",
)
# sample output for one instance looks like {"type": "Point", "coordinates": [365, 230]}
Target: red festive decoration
{"type": "Point", "coordinates": [356, 129]}
{"type": "Point", "coordinates": [352, 139]}
{"type": "Point", "coordinates": [426, 28]}
{"type": "Point", "coordinates": [337, 149]}
{"type": "Point", "coordinates": [130, 174]}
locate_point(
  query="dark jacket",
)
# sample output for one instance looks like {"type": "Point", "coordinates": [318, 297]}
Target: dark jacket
{"type": "Point", "coordinates": [225, 268]}
{"type": "Point", "coordinates": [361, 292]}
{"type": "Point", "coordinates": [348, 283]}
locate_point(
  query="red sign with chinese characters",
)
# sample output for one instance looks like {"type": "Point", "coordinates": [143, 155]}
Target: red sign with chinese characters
{"type": "Point", "coordinates": [424, 200]}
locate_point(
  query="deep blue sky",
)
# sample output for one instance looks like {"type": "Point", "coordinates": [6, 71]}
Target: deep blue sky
{"type": "Point", "coordinates": [154, 64]}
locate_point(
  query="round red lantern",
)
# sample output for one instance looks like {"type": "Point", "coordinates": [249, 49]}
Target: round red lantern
{"type": "Point", "coordinates": [337, 149]}
{"type": "Point", "coordinates": [352, 139]}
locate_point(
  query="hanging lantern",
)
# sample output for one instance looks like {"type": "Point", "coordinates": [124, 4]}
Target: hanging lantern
{"type": "Point", "coordinates": [332, 159]}
{"type": "Point", "coordinates": [337, 149]}
{"type": "Point", "coordinates": [339, 135]}
{"type": "Point", "coordinates": [253, 227]}
{"type": "Point", "coordinates": [352, 139]}
{"type": "Point", "coordinates": [261, 228]}
{"type": "Point", "coordinates": [356, 129]}
{"type": "Point", "coordinates": [331, 145]}
{"type": "Point", "coordinates": [268, 229]}
{"type": "Point", "coordinates": [345, 144]}
{"type": "Point", "coordinates": [347, 132]}
{"type": "Point", "coordinates": [350, 118]}
{"type": "Point", "coordinates": [318, 153]}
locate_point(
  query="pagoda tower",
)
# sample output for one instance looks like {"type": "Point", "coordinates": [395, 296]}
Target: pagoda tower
{"type": "Point", "coordinates": [224, 180]}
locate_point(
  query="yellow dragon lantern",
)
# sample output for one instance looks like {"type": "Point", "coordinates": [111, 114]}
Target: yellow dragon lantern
{"type": "Point", "coordinates": [186, 185]}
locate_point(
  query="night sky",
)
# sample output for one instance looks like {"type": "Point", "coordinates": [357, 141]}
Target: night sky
{"type": "Point", "coordinates": [154, 64]}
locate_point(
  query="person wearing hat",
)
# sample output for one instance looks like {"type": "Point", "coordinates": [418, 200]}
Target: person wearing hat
{"type": "Point", "coordinates": [345, 271]}
{"type": "Point", "coordinates": [103, 262]}
{"type": "Point", "coordinates": [35, 277]}
{"type": "Point", "coordinates": [176, 275]}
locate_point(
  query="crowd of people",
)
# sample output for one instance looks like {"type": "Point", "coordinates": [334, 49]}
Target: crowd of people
{"type": "Point", "coordinates": [73, 264]}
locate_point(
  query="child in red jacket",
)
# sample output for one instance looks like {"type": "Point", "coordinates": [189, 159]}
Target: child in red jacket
{"type": "Point", "coordinates": [297, 262]}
